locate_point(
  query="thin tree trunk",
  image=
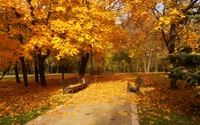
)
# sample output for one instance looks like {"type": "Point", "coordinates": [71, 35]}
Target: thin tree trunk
{"type": "Point", "coordinates": [144, 66]}
{"type": "Point", "coordinates": [130, 66]}
{"type": "Point", "coordinates": [36, 69]}
{"type": "Point", "coordinates": [24, 71]}
{"type": "Point", "coordinates": [149, 61]}
{"type": "Point", "coordinates": [156, 66]}
{"type": "Point", "coordinates": [28, 68]}
{"type": "Point", "coordinates": [41, 69]}
{"type": "Point", "coordinates": [17, 74]}
{"type": "Point", "coordinates": [63, 72]}
{"type": "Point", "coordinates": [83, 64]}
{"type": "Point", "coordinates": [57, 69]}
{"type": "Point", "coordinates": [50, 68]}
{"type": "Point", "coordinates": [137, 66]}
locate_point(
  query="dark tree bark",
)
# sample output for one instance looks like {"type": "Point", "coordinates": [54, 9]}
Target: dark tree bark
{"type": "Point", "coordinates": [84, 61]}
{"type": "Point", "coordinates": [171, 44]}
{"type": "Point", "coordinates": [63, 72]}
{"type": "Point", "coordinates": [41, 59]}
{"type": "Point", "coordinates": [17, 74]}
{"type": "Point", "coordinates": [28, 68]}
{"type": "Point", "coordinates": [36, 69]}
{"type": "Point", "coordinates": [24, 71]}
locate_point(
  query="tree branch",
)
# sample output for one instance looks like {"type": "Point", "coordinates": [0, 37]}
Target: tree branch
{"type": "Point", "coordinates": [191, 4]}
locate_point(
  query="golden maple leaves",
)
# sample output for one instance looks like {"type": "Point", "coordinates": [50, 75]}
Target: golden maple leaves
{"type": "Point", "coordinates": [64, 27]}
{"type": "Point", "coordinates": [173, 16]}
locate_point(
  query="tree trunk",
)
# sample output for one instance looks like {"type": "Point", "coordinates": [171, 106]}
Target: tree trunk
{"type": "Point", "coordinates": [130, 66]}
{"type": "Point", "coordinates": [173, 85]}
{"type": "Point", "coordinates": [144, 66]}
{"type": "Point", "coordinates": [36, 69]}
{"type": "Point", "coordinates": [172, 60]}
{"type": "Point", "coordinates": [24, 71]}
{"type": "Point", "coordinates": [41, 59]}
{"type": "Point", "coordinates": [156, 66]}
{"type": "Point", "coordinates": [41, 69]}
{"type": "Point", "coordinates": [137, 66]}
{"type": "Point", "coordinates": [50, 68]}
{"type": "Point", "coordinates": [17, 74]}
{"type": "Point", "coordinates": [83, 64]}
{"type": "Point", "coordinates": [149, 61]}
{"type": "Point", "coordinates": [63, 72]}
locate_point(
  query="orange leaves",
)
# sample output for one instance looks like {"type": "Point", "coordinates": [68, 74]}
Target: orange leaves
{"type": "Point", "coordinates": [63, 27]}
{"type": "Point", "coordinates": [167, 117]}
{"type": "Point", "coordinates": [165, 100]}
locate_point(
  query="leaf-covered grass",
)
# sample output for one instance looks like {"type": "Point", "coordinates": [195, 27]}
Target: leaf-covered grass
{"type": "Point", "coordinates": [157, 104]}
{"type": "Point", "coordinates": [158, 117]}
{"type": "Point", "coordinates": [25, 117]}
{"type": "Point", "coordinates": [19, 104]}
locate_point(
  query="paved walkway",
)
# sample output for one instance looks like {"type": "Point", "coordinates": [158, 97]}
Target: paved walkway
{"type": "Point", "coordinates": [90, 114]}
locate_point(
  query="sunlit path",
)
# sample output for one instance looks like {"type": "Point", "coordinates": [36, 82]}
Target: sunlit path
{"type": "Point", "coordinates": [102, 103]}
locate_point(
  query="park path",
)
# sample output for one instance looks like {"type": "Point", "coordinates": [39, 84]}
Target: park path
{"type": "Point", "coordinates": [90, 114]}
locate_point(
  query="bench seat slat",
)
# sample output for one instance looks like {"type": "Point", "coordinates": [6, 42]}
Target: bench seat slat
{"type": "Point", "coordinates": [67, 82]}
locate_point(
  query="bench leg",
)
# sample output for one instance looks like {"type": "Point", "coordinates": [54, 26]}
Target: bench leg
{"type": "Point", "coordinates": [64, 89]}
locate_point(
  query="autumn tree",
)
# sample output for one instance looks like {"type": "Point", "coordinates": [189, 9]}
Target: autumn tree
{"type": "Point", "coordinates": [172, 17]}
{"type": "Point", "coordinates": [168, 17]}
{"type": "Point", "coordinates": [144, 42]}
{"type": "Point", "coordinates": [14, 23]}
{"type": "Point", "coordinates": [69, 28]}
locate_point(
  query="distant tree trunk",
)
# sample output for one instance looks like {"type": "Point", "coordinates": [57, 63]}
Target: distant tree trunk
{"type": "Point", "coordinates": [63, 72]}
{"type": "Point", "coordinates": [41, 59]}
{"type": "Point", "coordinates": [137, 66]}
{"type": "Point", "coordinates": [144, 65]}
{"type": "Point", "coordinates": [17, 74]}
{"type": "Point", "coordinates": [50, 68]}
{"type": "Point", "coordinates": [84, 61]}
{"type": "Point", "coordinates": [130, 66]}
{"type": "Point", "coordinates": [149, 61]}
{"type": "Point", "coordinates": [36, 69]}
{"type": "Point", "coordinates": [156, 66]}
{"type": "Point", "coordinates": [24, 71]}
{"type": "Point", "coordinates": [28, 68]}
{"type": "Point", "coordinates": [57, 69]}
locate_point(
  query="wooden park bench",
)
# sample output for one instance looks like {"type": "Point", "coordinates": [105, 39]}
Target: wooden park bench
{"type": "Point", "coordinates": [136, 89]}
{"type": "Point", "coordinates": [78, 84]}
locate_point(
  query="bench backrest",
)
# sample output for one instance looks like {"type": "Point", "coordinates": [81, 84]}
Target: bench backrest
{"type": "Point", "coordinates": [138, 82]}
{"type": "Point", "coordinates": [70, 81]}
{"type": "Point", "coordinates": [73, 80]}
